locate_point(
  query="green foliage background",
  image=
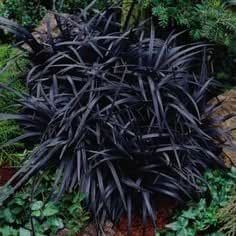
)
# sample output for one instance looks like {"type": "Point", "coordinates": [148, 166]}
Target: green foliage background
{"type": "Point", "coordinates": [12, 66]}
{"type": "Point", "coordinates": [209, 19]}
{"type": "Point", "coordinates": [29, 13]}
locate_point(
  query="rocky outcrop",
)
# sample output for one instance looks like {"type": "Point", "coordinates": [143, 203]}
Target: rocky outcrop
{"type": "Point", "coordinates": [229, 107]}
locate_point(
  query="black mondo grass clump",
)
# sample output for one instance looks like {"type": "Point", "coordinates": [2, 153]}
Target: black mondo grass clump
{"type": "Point", "coordinates": [120, 114]}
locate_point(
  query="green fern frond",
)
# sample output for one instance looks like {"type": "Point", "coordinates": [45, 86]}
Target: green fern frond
{"type": "Point", "coordinates": [12, 65]}
{"type": "Point", "coordinates": [162, 12]}
{"type": "Point", "coordinates": [207, 19]}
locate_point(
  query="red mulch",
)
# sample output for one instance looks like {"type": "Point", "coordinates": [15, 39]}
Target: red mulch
{"type": "Point", "coordinates": [166, 208]}
{"type": "Point", "coordinates": [6, 173]}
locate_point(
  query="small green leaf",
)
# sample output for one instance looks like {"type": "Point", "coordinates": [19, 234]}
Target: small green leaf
{"type": "Point", "coordinates": [19, 201]}
{"type": "Point", "coordinates": [189, 214]}
{"type": "Point", "coordinates": [17, 210]}
{"type": "Point", "coordinates": [5, 193]}
{"type": "Point", "coordinates": [182, 232]}
{"type": "Point", "coordinates": [183, 221]}
{"type": "Point", "coordinates": [50, 209]}
{"type": "Point", "coordinates": [37, 206]}
{"type": "Point", "coordinates": [36, 213]}
{"type": "Point", "coordinates": [216, 234]}
{"type": "Point", "coordinates": [8, 215]}
{"type": "Point", "coordinates": [56, 222]}
{"type": "Point", "coordinates": [8, 231]}
{"type": "Point", "coordinates": [175, 226]}
{"type": "Point", "coordinates": [24, 232]}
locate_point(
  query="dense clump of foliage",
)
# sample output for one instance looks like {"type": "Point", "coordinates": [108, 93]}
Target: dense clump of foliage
{"type": "Point", "coordinates": [204, 217]}
{"type": "Point", "coordinates": [72, 6]}
{"type": "Point", "coordinates": [123, 115]}
{"type": "Point", "coordinates": [27, 13]}
{"type": "Point", "coordinates": [212, 19]}
{"type": "Point", "coordinates": [30, 212]}
{"type": "Point", "coordinates": [12, 65]}
{"type": "Point", "coordinates": [30, 13]}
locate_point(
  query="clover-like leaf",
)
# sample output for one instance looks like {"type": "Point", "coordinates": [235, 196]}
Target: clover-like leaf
{"type": "Point", "coordinates": [50, 209]}
{"type": "Point", "coordinates": [37, 205]}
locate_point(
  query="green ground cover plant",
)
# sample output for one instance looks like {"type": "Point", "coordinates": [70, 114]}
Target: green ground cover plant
{"type": "Point", "coordinates": [48, 217]}
{"type": "Point", "coordinates": [30, 212]}
{"type": "Point", "coordinates": [205, 217]}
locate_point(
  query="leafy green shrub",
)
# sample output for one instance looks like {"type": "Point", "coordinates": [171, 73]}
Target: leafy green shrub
{"type": "Point", "coordinates": [202, 217]}
{"type": "Point", "coordinates": [27, 213]}
{"type": "Point", "coordinates": [30, 13]}
{"type": "Point", "coordinates": [120, 115]}
{"type": "Point", "coordinates": [27, 13]}
{"type": "Point", "coordinates": [70, 6]}
{"type": "Point", "coordinates": [208, 19]}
